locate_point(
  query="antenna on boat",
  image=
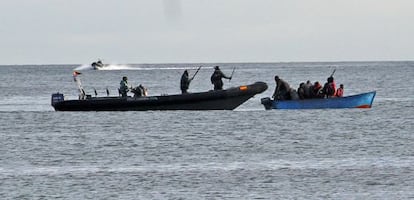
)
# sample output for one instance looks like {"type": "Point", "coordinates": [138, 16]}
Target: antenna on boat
{"type": "Point", "coordinates": [196, 73]}
{"type": "Point", "coordinates": [107, 92]}
{"type": "Point", "coordinates": [96, 93]}
{"type": "Point", "coordinates": [231, 76]}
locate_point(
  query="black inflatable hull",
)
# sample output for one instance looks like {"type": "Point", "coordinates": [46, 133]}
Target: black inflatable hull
{"type": "Point", "coordinates": [212, 100]}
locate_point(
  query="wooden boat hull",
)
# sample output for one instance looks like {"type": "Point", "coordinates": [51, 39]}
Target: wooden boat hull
{"type": "Point", "coordinates": [212, 100]}
{"type": "Point", "coordinates": [363, 100]}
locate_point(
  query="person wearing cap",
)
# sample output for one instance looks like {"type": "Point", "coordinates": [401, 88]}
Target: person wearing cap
{"type": "Point", "coordinates": [124, 87]}
{"type": "Point", "coordinates": [282, 90]}
{"type": "Point", "coordinates": [216, 78]}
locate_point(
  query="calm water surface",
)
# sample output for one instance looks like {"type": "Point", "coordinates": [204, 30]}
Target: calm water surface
{"type": "Point", "coordinates": [248, 153]}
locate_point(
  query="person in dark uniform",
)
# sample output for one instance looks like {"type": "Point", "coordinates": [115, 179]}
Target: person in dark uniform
{"type": "Point", "coordinates": [185, 82]}
{"type": "Point", "coordinates": [124, 87]}
{"type": "Point", "coordinates": [216, 78]}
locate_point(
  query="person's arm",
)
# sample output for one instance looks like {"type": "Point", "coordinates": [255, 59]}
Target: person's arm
{"type": "Point", "coordinates": [276, 91]}
{"type": "Point", "coordinates": [224, 76]}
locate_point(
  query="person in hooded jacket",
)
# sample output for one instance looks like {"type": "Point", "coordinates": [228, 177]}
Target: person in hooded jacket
{"type": "Point", "coordinates": [185, 82]}
{"type": "Point", "coordinates": [216, 78]}
{"type": "Point", "coordinates": [282, 90]}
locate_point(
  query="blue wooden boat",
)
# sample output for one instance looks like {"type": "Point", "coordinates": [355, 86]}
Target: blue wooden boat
{"type": "Point", "coordinates": [363, 100]}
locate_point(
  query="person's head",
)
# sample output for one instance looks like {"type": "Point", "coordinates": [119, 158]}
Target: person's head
{"type": "Point", "coordinates": [308, 82]}
{"type": "Point", "coordinates": [185, 72]}
{"type": "Point", "coordinates": [330, 79]}
{"type": "Point", "coordinates": [216, 68]}
{"type": "Point", "coordinates": [277, 78]}
{"type": "Point", "coordinates": [341, 86]}
{"type": "Point", "coordinates": [124, 78]}
{"type": "Point", "coordinates": [301, 84]}
{"type": "Point", "coordinates": [316, 83]}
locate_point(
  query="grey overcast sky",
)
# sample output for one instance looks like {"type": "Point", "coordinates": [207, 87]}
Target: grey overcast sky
{"type": "Point", "coordinates": [174, 31]}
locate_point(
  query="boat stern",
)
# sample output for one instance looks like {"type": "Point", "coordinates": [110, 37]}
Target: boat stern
{"type": "Point", "coordinates": [56, 98]}
{"type": "Point", "coordinates": [267, 102]}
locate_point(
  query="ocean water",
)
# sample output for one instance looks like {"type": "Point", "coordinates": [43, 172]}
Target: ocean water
{"type": "Point", "coordinates": [248, 153]}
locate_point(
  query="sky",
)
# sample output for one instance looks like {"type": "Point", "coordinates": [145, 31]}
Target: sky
{"type": "Point", "coordinates": [200, 31]}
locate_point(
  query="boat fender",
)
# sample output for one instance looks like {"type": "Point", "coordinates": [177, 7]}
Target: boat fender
{"type": "Point", "coordinates": [56, 98]}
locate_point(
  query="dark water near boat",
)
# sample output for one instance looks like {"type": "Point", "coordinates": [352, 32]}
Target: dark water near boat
{"type": "Point", "coordinates": [248, 153]}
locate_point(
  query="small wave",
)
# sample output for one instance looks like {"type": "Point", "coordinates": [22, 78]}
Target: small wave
{"type": "Point", "coordinates": [394, 99]}
{"type": "Point", "coordinates": [351, 163]}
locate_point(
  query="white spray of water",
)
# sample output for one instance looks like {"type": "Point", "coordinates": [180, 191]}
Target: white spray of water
{"type": "Point", "coordinates": [83, 67]}
{"type": "Point", "coordinates": [107, 67]}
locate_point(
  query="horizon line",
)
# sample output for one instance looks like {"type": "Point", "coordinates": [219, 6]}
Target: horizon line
{"type": "Point", "coordinates": [247, 62]}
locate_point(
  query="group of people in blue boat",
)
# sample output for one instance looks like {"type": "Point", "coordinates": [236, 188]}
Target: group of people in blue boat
{"type": "Point", "coordinates": [307, 90]}
{"type": "Point", "coordinates": [216, 80]}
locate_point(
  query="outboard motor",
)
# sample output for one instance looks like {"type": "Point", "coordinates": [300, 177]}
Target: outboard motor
{"type": "Point", "coordinates": [267, 102]}
{"type": "Point", "coordinates": [57, 97]}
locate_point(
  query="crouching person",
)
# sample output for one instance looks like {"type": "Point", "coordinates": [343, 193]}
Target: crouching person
{"type": "Point", "coordinates": [140, 91]}
{"type": "Point", "coordinates": [282, 90]}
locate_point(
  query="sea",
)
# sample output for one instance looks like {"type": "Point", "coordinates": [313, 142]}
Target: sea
{"type": "Point", "coordinates": [247, 153]}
